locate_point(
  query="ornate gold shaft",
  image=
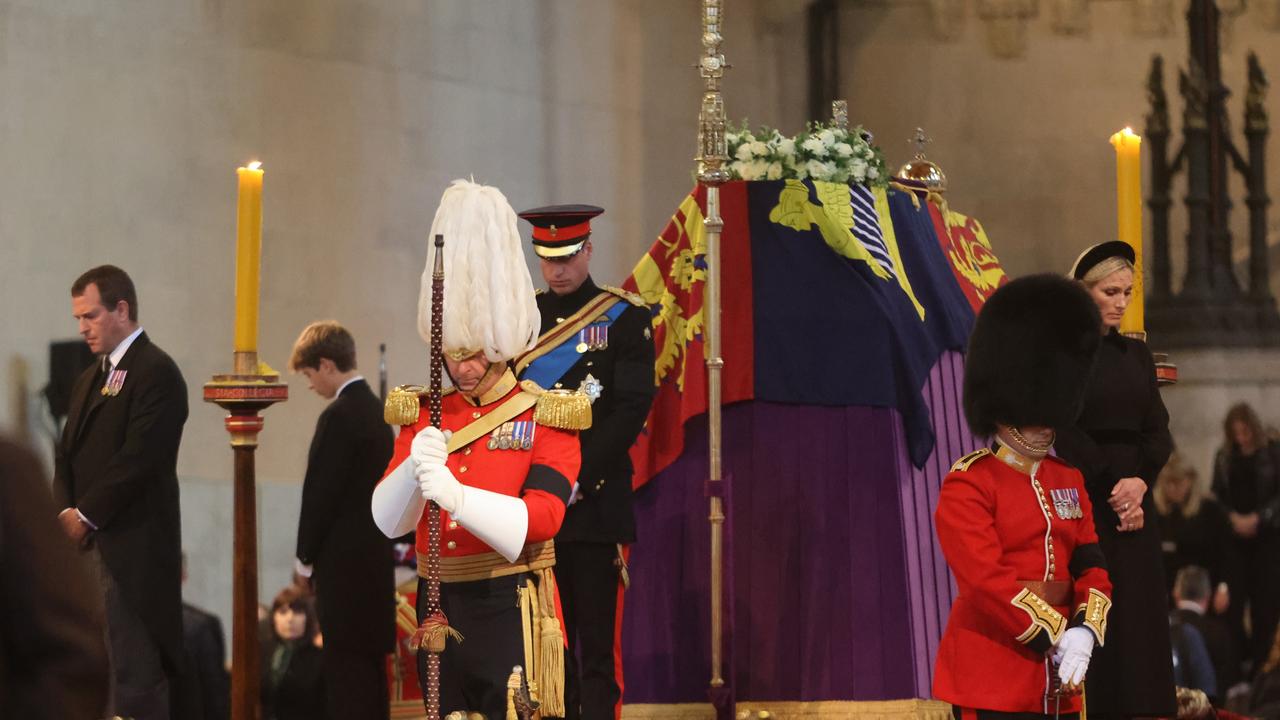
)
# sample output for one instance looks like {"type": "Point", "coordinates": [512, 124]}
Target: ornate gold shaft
{"type": "Point", "coordinates": [711, 159]}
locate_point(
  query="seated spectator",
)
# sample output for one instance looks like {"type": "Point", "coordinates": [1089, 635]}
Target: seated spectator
{"type": "Point", "coordinates": [1191, 665]}
{"type": "Point", "coordinates": [1193, 526]}
{"type": "Point", "coordinates": [1246, 480]}
{"type": "Point", "coordinates": [1191, 592]}
{"type": "Point", "coordinates": [292, 687]}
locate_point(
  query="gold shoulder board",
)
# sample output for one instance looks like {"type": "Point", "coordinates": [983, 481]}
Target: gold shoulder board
{"type": "Point", "coordinates": [630, 297]}
{"type": "Point", "coordinates": [963, 463]}
{"type": "Point", "coordinates": [561, 409]}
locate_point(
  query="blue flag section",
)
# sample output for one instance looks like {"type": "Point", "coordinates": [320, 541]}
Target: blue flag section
{"type": "Point", "coordinates": [846, 313]}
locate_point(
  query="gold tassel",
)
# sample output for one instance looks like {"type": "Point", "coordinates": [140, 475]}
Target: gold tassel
{"type": "Point", "coordinates": [563, 409]}
{"type": "Point", "coordinates": [550, 649]}
{"type": "Point", "coordinates": [402, 406]}
{"type": "Point", "coordinates": [513, 687]}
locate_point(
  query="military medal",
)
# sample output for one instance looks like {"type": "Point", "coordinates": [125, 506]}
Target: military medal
{"type": "Point", "coordinates": [591, 387]}
{"type": "Point", "coordinates": [1066, 503]}
{"type": "Point", "coordinates": [581, 347]}
{"type": "Point", "coordinates": [493, 439]}
{"type": "Point", "coordinates": [593, 337]}
{"type": "Point", "coordinates": [115, 381]}
{"type": "Point", "coordinates": [504, 437]}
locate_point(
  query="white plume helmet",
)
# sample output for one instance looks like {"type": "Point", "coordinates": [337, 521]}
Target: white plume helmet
{"type": "Point", "coordinates": [489, 301]}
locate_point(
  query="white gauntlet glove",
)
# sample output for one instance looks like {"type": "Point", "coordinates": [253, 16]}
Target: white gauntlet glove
{"type": "Point", "coordinates": [438, 483]}
{"type": "Point", "coordinates": [1072, 655]}
{"type": "Point", "coordinates": [430, 447]}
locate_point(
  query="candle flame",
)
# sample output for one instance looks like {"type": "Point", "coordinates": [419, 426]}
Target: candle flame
{"type": "Point", "coordinates": [255, 165]}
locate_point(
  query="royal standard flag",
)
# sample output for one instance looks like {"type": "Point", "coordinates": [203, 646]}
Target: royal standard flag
{"type": "Point", "coordinates": [831, 295]}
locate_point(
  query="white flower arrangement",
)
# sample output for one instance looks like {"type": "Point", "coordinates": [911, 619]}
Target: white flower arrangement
{"type": "Point", "coordinates": [821, 152]}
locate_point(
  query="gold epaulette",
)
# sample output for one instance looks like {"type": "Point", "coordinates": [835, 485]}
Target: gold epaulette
{"type": "Point", "coordinates": [561, 409]}
{"type": "Point", "coordinates": [404, 402]}
{"type": "Point", "coordinates": [627, 295]}
{"type": "Point", "coordinates": [963, 463]}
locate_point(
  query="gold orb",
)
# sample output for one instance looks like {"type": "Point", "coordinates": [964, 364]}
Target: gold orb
{"type": "Point", "coordinates": [924, 171]}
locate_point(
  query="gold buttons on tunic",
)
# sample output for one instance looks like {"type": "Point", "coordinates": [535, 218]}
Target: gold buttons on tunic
{"type": "Point", "coordinates": [475, 415]}
{"type": "Point", "coordinates": [467, 451]}
{"type": "Point", "coordinates": [462, 469]}
{"type": "Point", "coordinates": [453, 524]}
{"type": "Point", "coordinates": [451, 545]}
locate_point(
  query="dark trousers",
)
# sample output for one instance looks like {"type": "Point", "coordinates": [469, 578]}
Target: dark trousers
{"type": "Point", "coordinates": [473, 673]}
{"type": "Point", "coordinates": [1255, 582]}
{"type": "Point", "coordinates": [355, 684]}
{"type": "Point", "coordinates": [591, 597]}
{"type": "Point", "coordinates": [140, 686]}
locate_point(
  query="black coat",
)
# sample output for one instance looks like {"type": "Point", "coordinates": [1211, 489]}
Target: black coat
{"type": "Point", "coordinates": [298, 693]}
{"type": "Point", "coordinates": [1123, 431]}
{"type": "Point", "coordinates": [603, 511]}
{"type": "Point", "coordinates": [352, 562]}
{"type": "Point", "coordinates": [1202, 539]}
{"type": "Point", "coordinates": [207, 684]}
{"type": "Point", "coordinates": [53, 653]}
{"type": "Point", "coordinates": [117, 462]}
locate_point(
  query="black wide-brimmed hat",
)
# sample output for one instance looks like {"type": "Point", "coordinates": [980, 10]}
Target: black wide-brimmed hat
{"type": "Point", "coordinates": [1030, 355]}
{"type": "Point", "coordinates": [1102, 251]}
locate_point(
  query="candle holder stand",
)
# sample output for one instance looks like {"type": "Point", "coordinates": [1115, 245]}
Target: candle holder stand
{"type": "Point", "coordinates": [244, 394]}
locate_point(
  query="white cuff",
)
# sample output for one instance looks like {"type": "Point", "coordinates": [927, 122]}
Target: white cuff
{"type": "Point", "coordinates": [501, 521]}
{"type": "Point", "coordinates": [397, 504]}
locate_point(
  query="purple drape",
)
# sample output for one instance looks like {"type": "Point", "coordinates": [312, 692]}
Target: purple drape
{"type": "Point", "coordinates": [838, 592]}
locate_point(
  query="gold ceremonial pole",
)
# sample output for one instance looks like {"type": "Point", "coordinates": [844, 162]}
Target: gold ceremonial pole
{"type": "Point", "coordinates": [712, 155]}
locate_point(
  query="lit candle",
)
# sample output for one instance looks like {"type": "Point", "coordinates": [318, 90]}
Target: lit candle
{"type": "Point", "coordinates": [1129, 217]}
{"type": "Point", "coordinates": [248, 256]}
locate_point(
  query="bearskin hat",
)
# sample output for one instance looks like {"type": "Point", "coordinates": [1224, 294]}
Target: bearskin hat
{"type": "Point", "coordinates": [1030, 355]}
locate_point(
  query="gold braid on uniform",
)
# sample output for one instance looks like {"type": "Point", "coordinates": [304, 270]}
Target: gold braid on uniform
{"type": "Point", "coordinates": [1026, 447]}
{"type": "Point", "coordinates": [402, 405]}
{"type": "Point", "coordinates": [1095, 614]}
{"type": "Point", "coordinates": [560, 409]}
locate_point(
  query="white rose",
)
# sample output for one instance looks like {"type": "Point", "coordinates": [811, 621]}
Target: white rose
{"type": "Point", "coordinates": [730, 138]}
{"type": "Point", "coordinates": [827, 137]}
{"type": "Point", "coordinates": [787, 146]}
{"type": "Point", "coordinates": [858, 167]}
{"type": "Point", "coordinates": [744, 152]}
{"type": "Point", "coordinates": [817, 170]}
{"type": "Point", "coordinates": [872, 173]}
{"type": "Point", "coordinates": [735, 168]}
{"type": "Point", "coordinates": [774, 172]}
{"type": "Point", "coordinates": [759, 149]}
{"type": "Point", "coordinates": [815, 146]}
{"type": "Point", "coordinates": [843, 149]}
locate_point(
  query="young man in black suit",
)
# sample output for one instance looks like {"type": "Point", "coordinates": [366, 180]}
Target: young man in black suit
{"type": "Point", "coordinates": [339, 547]}
{"type": "Point", "coordinates": [116, 476]}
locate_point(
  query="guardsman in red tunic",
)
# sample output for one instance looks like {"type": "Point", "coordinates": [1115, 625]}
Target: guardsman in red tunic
{"type": "Point", "coordinates": [1015, 523]}
{"type": "Point", "coordinates": [501, 466]}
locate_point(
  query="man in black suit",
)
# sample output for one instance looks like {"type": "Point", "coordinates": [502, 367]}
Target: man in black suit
{"type": "Point", "coordinates": [207, 684]}
{"type": "Point", "coordinates": [116, 476]}
{"type": "Point", "coordinates": [339, 547]}
{"type": "Point", "coordinates": [53, 652]}
{"type": "Point", "coordinates": [1191, 593]}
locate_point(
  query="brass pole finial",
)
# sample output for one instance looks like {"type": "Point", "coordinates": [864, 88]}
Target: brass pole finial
{"type": "Point", "coordinates": [712, 153]}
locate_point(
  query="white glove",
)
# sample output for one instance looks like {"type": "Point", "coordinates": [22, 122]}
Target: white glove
{"type": "Point", "coordinates": [1072, 655]}
{"type": "Point", "coordinates": [438, 483]}
{"type": "Point", "coordinates": [301, 568]}
{"type": "Point", "coordinates": [430, 447]}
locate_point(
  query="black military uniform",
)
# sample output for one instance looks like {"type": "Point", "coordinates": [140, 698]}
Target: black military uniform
{"type": "Point", "coordinates": [605, 350]}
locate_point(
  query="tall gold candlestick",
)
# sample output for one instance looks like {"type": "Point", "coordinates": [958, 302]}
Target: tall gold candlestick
{"type": "Point", "coordinates": [1128, 147]}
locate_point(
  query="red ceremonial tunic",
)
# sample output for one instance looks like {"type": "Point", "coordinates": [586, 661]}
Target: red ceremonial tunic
{"type": "Point", "coordinates": [998, 527]}
{"type": "Point", "coordinates": [541, 476]}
